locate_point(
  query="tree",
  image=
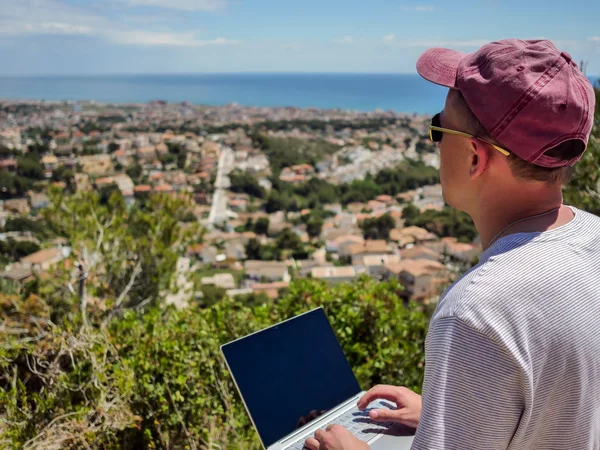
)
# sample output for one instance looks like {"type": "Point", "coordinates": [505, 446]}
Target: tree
{"type": "Point", "coordinates": [288, 240]}
{"type": "Point", "coordinates": [448, 222]}
{"type": "Point", "coordinates": [13, 185]}
{"type": "Point", "coordinates": [253, 249]}
{"type": "Point", "coordinates": [410, 212]}
{"type": "Point", "coordinates": [244, 182]}
{"type": "Point", "coordinates": [30, 167]}
{"type": "Point", "coordinates": [65, 175]}
{"type": "Point", "coordinates": [113, 147]}
{"type": "Point", "coordinates": [134, 171]}
{"type": "Point", "coordinates": [14, 250]}
{"type": "Point", "coordinates": [378, 227]}
{"type": "Point", "coordinates": [584, 189]}
{"type": "Point", "coordinates": [261, 226]}
{"type": "Point", "coordinates": [314, 226]}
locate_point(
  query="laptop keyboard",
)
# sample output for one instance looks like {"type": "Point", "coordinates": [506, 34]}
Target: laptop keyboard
{"type": "Point", "coordinates": [356, 421]}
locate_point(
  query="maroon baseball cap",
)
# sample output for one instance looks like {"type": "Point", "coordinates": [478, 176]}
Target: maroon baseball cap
{"type": "Point", "coordinates": [528, 95]}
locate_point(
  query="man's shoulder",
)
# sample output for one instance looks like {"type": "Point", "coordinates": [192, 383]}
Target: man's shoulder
{"type": "Point", "coordinates": [495, 284]}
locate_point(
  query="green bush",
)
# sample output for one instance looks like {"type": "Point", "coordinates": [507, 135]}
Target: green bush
{"type": "Point", "coordinates": [157, 379]}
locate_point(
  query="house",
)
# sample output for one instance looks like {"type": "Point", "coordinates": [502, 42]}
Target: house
{"type": "Point", "coordinates": [386, 199]}
{"type": "Point", "coordinates": [270, 289]}
{"type": "Point", "coordinates": [458, 251]}
{"type": "Point", "coordinates": [38, 200]}
{"type": "Point", "coordinates": [375, 264]}
{"type": "Point", "coordinates": [82, 182]}
{"type": "Point", "coordinates": [146, 154]}
{"type": "Point", "coordinates": [45, 259]}
{"type": "Point", "coordinates": [194, 250]}
{"type": "Point", "coordinates": [17, 273]}
{"type": "Point", "coordinates": [4, 215]}
{"type": "Point", "coordinates": [162, 149]}
{"type": "Point", "coordinates": [235, 250]}
{"type": "Point", "coordinates": [17, 205]}
{"type": "Point", "coordinates": [411, 235]}
{"type": "Point", "coordinates": [8, 165]}
{"type": "Point", "coordinates": [96, 164]}
{"type": "Point", "coordinates": [421, 278]}
{"type": "Point", "coordinates": [125, 184]}
{"type": "Point", "coordinates": [208, 254]}
{"type": "Point", "coordinates": [267, 270]}
{"type": "Point", "coordinates": [341, 243]}
{"type": "Point", "coordinates": [306, 266]}
{"type": "Point", "coordinates": [334, 275]}
{"type": "Point", "coordinates": [420, 252]}
{"type": "Point", "coordinates": [142, 190]}
{"type": "Point", "coordinates": [238, 204]}
{"type": "Point", "coordinates": [221, 280]}
{"type": "Point", "coordinates": [122, 157]}
{"type": "Point", "coordinates": [376, 206]}
{"type": "Point", "coordinates": [165, 188]}
{"type": "Point", "coordinates": [369, 247]}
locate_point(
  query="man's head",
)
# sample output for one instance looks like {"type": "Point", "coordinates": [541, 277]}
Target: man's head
{"type": "Point", "coordinates": [522, 96]}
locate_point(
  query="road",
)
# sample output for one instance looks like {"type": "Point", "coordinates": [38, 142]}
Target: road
{"type": "Point", "coordinates": [219, 210]}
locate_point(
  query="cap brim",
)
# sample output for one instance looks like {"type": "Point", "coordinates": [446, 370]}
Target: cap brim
{"type": "Point", "coordinates": [440, 66]}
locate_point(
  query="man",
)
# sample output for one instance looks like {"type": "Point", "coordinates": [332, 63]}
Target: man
{"type": "Point", "coordinates": [513, 349]}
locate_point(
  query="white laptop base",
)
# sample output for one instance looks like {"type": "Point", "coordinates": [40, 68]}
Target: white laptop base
{"type": "Point", "coordinates": [379, 435]}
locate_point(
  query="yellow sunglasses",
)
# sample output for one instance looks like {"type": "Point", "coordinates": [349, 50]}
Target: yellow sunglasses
{"type": "Point", "coordinates": [436, 133]}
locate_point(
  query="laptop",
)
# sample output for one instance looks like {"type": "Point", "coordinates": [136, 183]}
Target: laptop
{"type": "Point", "coordinates": [294, 378]}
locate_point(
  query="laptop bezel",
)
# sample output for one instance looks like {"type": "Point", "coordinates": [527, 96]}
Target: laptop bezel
{"type": "Point", "coordinates": [240, 392]}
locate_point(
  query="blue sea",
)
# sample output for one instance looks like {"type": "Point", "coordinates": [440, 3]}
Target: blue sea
{"type": "Point", "coordinates": [362, 92]}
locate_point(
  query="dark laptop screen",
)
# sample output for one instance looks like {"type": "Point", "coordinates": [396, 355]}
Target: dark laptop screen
{"type": "Point", "coordinates": [289, 370]}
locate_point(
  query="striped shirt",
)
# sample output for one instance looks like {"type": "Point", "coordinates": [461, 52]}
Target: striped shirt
{"type": "Point", "coordinates": [513, 349]}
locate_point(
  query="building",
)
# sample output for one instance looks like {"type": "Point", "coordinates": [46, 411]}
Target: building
{"type": "Point", "coordinates": [375, 264]}
{"type": "Point", "coordinates": [420, 252]}
{"type": "Point", "coordinates": [411, 235]}
{"type": "Point", "coordinates": [221, 280]}
{"type": "Point", "coordinates": [271, 290]}
{"type": "Point", "coordinates": [17, 273]}
{"type": "Point", "coordinates": [334, 275]}
{"type": "Point", "coordinates": [369, 247]}
{"type": "Point", "coordinates": [267, 270]}
{"type": "Point", "coordinates": [96, 164]}
{"type": "Point", "coordinates": [17, 205]}
{"type": "Point", "coordinates": [421, 278]}
{"type": "Point", "coordinates": [38, 200]}
{"type": "Point", "coordinates": [44, 259]}
{"type": "Point", "coordinates": [50, 163]}
{"type": "Point", "coordinates": [8, 165]}
{"type": "Point", "coordinates": [11, 138]}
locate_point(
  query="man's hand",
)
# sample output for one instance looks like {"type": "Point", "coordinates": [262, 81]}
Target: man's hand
{"type": "Point", "coordinates": [407, 402]}
{"type": "Point", "coordinates": [335, 437]}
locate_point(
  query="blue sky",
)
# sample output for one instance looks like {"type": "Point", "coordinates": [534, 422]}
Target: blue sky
{"type": "Point", "coordinates": [207, 36]}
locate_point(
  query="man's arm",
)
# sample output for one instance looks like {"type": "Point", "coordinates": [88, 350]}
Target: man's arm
{"type": "Point", "coordinates": [472, 393]}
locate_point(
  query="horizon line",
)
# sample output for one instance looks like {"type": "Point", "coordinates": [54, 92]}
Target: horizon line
{"type": "Point", "coordinates": [142, 74]}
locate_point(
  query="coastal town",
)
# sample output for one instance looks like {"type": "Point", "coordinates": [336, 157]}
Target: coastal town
{"type": "Point", "coordinates": [280, 193]}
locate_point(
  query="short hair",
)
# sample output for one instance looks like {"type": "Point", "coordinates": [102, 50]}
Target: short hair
{"type": "Point", "coordinates": [520, 168]}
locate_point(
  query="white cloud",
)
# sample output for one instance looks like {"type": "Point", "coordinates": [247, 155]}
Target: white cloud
{"type": "Point", "coordinates": [23, 28]}
{"type": "Point", "coordinates": [594, 38]}
{"type": "Point", "coordinates": [181, 5]}
{"type": "Point", "coordinates": [344, 40]}
{"type": "Point", "coordinates": [164, 39]}
{"type": "Point", "coordinates": [427, 43]}
{"type": "Point", "coordinates": [422, 8]}
{"type": "Point", "coordinates": [52, 17]}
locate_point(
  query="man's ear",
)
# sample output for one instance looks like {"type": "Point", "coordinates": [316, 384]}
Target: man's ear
{"type": "Point", "coordinates": [479, 158]}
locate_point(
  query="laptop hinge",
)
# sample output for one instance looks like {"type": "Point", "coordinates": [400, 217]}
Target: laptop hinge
{"type": "Point", "coordinates": [316, 421]}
